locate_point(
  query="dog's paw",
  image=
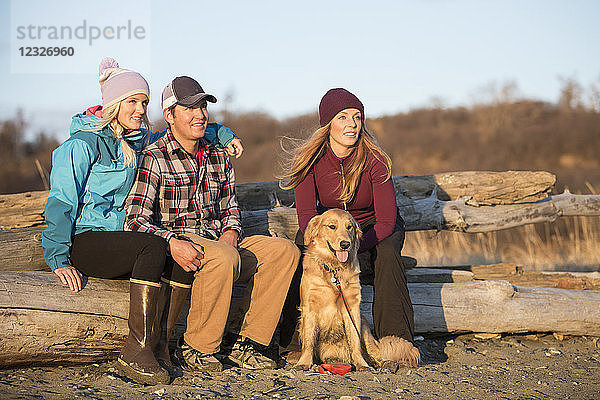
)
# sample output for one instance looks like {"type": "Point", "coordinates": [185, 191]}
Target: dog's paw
{"type": "Point", "coordinates": [399, 350]}
{"type": "Point", "coordinates": [301, 367]}
{"type": "Point", "coordinates": [389, 366]}
{"type": "Point", "coordinates": [411, 358]}
{"type": "Point", "coordinates": [364, 368]}
{"type": "Point", "coordinates": [414, 357]}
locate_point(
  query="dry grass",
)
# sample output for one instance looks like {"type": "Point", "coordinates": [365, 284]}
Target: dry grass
{"type": "Point", "coordinates": [571, 243]}
{"type": "Point", "coordinates": [568, 244]}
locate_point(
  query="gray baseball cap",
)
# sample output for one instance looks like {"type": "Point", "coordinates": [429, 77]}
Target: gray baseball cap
{"type": "Point", "coordinates": [184, 91]}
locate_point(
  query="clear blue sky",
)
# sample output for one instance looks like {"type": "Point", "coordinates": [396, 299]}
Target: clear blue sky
{"type": "Point", "coordinates": [280, 57]}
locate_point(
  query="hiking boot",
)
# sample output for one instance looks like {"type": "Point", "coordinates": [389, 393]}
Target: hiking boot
{"type": "Point", "coordinates": [136, 360]}
{"type": "Point", "coordinates": [247, 354]}
{"type": "Point", "coordinates": [191, 359]}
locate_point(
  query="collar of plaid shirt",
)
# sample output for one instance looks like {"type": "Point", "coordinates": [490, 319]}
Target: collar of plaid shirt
{"type": "Point", "coordinates": [173, 145]}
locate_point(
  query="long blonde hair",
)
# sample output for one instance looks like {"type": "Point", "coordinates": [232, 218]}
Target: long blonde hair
{"type": "Point", "coordinates": [109, 118]}
{"type": "Point", "coordinates": [305, 154]}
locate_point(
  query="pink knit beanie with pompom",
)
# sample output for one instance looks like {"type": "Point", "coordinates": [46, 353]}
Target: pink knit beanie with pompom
{"type": "Point", "coordinates": [117, 83]}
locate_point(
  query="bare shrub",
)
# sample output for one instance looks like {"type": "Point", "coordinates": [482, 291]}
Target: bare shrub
{"type": "Point", "coordinates": [19, 169]}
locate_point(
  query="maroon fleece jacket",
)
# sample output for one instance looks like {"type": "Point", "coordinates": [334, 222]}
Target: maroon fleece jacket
{"type": "Point", "coordinates": [375, 199]}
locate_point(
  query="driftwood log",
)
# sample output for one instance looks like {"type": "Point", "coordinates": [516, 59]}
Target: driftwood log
{"type": "Point", "coordinates": [512, 273]}
{"type": "Point", "coordinates": [480, 188]}
{"type": "Point", "coordinates": [22, 210]}
{"type": "Point", "coordinates": [42, 322]}
{"type": "Point", "coordinates": [499, 307]}
{"type": "Point", "coordinates": [22, 250]}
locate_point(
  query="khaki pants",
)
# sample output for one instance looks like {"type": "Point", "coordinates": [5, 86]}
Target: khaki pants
{"type": "Point", "coordinates": [266, 264]}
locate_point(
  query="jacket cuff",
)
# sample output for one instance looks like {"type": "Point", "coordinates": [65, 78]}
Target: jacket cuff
{"type": "Point", "coordinates": [61, 262]}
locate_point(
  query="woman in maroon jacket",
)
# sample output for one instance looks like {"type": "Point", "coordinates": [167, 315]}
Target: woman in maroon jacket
{"type": "Point", "coordinates": [342, 166]}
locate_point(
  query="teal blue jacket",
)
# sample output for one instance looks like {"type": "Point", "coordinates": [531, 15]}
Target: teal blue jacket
{"type": "Point", "coordinates": [89, 183]}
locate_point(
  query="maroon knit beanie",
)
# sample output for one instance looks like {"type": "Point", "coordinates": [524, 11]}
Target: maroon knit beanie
{"type": "Point", "coordinates": [336, 100]}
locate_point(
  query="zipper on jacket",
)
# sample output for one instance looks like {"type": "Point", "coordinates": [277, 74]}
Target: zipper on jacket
{"type": "Point", "coordinates": [343, 183]}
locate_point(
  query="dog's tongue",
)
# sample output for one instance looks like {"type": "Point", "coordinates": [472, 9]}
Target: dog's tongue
{"type": "Point", "coordinates": [342, 256]}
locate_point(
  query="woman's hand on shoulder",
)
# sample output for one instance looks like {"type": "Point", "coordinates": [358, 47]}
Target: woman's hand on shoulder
{"type": "Point", "coordinates": [70, 276]}
{"type": "Point", "coordinates": [235, 148]}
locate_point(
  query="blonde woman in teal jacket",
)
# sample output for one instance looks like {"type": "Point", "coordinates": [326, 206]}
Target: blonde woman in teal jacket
{"type": "Point", "coordinates": [92, 174]}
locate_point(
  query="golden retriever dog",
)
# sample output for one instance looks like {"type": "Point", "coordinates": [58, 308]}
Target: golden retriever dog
{"type": "Point", "coordinates": [327, 332]}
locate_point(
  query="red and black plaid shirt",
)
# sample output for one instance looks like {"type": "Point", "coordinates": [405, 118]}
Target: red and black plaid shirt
{"type": "Point", "coordinates": [174, 193]}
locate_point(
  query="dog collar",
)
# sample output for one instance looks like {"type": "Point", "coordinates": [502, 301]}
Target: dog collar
{"type": "Point", "coordinates": [334, 278]}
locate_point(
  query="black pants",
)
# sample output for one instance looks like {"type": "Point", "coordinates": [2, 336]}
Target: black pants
{"type": "Point", "coordinates": [119, 254]}
{"type": "Point", "coordinates": [392, 308]}
{"type": "Point", "coordinates": [175, 274]}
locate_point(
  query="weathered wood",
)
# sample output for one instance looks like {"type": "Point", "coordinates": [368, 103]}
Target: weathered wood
{"type": "Point", "coordinates": [43, 322]}
{"type": "Point", "coordinates": [262, 195]}
{"type": "Point", "coordinates": [35, 337]}
{"type": "Point", "coordinates": [22, 250]}
{"type": "Point", "coordinates": [438, 275]}
{"type": "Point", "coordinates": [562, 280]}
{"type": "Point", "coordinates": [498, 306]}
{"type": "Point", "coordinates": [44, 291]}
{"type": "Point", "coordinates": [509, 272]}
{"type": "Point", "coordinates": [478, 187]}
{"type": "Point", "coordinates": [456, 215]}
{"type": "Point", "coordinates": [22, 209]}
{"type": "Point", "coordinates": [495, 271]}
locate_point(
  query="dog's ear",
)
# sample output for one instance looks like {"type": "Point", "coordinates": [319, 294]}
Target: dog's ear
{"type": "Point", "coordinates": [312, 229]}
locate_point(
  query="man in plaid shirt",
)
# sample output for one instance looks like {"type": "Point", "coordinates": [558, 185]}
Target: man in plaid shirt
{"type": "Point", "coordinates": [185, 192]}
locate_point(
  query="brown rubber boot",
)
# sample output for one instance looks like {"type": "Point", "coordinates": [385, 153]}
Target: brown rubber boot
{"type": "Point", "coordinates": [159, 322]}
{"type": "Point", "coordinates": [136, 360]}
{"type": "Point", "coordinates": [172, 301]}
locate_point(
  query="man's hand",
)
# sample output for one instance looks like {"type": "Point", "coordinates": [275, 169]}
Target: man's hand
{"type": "Point", "coordinates": [187, 254]}
{"type": "Point", "coordinates": [69, 276]}
{"type": "Point", "coordinates": [230, 237]}
{"type": "Point", "coordinates": [235, 148]}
